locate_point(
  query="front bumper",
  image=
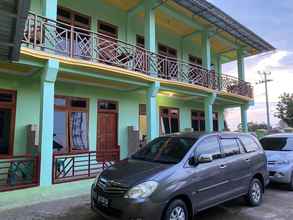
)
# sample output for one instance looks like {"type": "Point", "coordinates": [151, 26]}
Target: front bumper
{"type": "Point", "coordinates": [127, 209]}
{"type": "Point", "coordinates": [280, 173]}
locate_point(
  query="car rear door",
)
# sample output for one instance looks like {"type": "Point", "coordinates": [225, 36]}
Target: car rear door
{"type": "Point", "coordinates": [208, 180]}
{"type": "Point", "coordinates": [237, 167]}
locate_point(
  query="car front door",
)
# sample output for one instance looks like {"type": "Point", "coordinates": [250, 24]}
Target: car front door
{"type": "Point", "coordinates": [208, 179]}
{"type": "Point", "coordinates": [237, 170]}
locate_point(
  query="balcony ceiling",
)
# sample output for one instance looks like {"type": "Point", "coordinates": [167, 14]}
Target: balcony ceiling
{"type": "Point", "coordinates": [13, 15]}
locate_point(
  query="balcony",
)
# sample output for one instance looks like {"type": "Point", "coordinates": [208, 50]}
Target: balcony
{"type": "Point", "coordinates": [69, 41]}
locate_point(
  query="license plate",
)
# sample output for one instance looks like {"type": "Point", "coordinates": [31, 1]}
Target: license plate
{"type": "Point", "coordinates": [103, 201]}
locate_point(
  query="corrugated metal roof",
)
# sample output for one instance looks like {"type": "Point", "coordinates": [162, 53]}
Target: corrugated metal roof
{"type": "Point", "coordinates": [223, 21]}
{"type": "Point", "coordinates": [13, 14]}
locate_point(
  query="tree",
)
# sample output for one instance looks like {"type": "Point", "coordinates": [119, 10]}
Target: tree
{"type": "Point", "coordinates": [285, 108]}
{"type": "Point", "coordinates": [253, 127]}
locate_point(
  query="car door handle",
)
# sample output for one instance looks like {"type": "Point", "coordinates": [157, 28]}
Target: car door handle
{"type": "Point", "coordinates": [223, 166]}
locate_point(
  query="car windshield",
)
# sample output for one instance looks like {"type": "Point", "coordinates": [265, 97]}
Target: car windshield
{"type": "Point", "coordinates": [276, 144]}
{"type": "Point", "coordinates": [165, 150]}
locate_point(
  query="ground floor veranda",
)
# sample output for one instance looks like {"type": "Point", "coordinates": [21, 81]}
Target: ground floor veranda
{"type": "Point", "coordinates": [59, 124]}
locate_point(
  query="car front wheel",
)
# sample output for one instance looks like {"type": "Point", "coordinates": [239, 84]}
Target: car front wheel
{"type": "Point", "coordinates": [255, 194]}
{"type": "Point", "coordinates": [176, 211]}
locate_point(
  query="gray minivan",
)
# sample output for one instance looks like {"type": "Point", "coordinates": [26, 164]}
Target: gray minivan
{"type": "Point", "coordinates": [176, 176]}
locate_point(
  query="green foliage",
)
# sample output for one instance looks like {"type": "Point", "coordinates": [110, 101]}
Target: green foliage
{"type": "Point", "coordinates": [253, 127]}
{"type": "Point", "coordinates": [285, 108]}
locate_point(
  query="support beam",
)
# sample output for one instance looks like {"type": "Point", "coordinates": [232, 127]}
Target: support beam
{"type": "Point", "coordinates": [50, 9]}
{"type": "Point", "coordinates": [244, 122]}
{"type": "Point", "coordinates": [150, 26]}
{"type": "Point", "coordinates": [48, 79]}
{"type": "Point", "coordinates": [240, 64]}
{"type": "Point", "coordinates": [208, 109]}
{"type": "Point", "coordinates": [221, 119]}
{"type": "Point", "coordinates": [152, 110]}
{"type": "Point", "coordinates": [206, 50]}
{"type": "Point", "coordinates": [219, 69]}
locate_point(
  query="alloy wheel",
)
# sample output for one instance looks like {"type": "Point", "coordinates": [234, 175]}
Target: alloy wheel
{"type": "Point", "coordinates": [256, 192]}
{"type": "Point", "coordinates": [177, 213]}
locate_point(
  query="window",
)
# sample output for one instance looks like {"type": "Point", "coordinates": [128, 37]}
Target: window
{"type": "Point", "coordinates": [140, 41]}
{"type": "Point", "coordinates": [107, 105]}
{"type": "Point", "coordinates": [249, 143]}
{"type": "Point", "coordinates": [277, 143]}
{"type": "Point", "coordinates": [195, 60]}
{"type": "Point", "coordinates": [70, 124]}
{"type": "Point", "coordinates": [169, 118]}
{"type": "Point", "coordinates": [209, 145]}
{"type": "Point", "coordinates": [107, 29]}
{"type": "Point", "coordinates": [7, 115]}
{"type": "Point", "coordinates": [230, 147]}
{"type": "Point", "coordinates": [165, 150]}
{"type": "Point", "coordinates": [198, 121]}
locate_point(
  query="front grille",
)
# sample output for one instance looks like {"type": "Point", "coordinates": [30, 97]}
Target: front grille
{"type": "Point", "coordinates": [108, 210]}
{"type": "Point", "coordinates": [111, 188]}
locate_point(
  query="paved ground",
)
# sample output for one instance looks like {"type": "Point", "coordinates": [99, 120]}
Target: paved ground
{"type": "Point", "coordinates": [278, 205]}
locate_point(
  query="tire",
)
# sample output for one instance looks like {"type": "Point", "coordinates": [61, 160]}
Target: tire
{"type": "Point", "coordinates": [254, 196]}
{"type": "Point", "coordinates": [176, 210]}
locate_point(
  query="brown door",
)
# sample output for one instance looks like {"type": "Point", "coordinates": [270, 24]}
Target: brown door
{"type": "Point", "coordinates": [107, 147]}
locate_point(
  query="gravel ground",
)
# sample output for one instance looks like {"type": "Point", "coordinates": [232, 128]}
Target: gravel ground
{"type": "Point", "coordinates": [278, 205]}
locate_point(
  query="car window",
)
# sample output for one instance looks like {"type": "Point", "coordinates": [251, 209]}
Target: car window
{"type": "Point", "coordinates": [277, 144]}
{"type": "Point", "coordinates": [209, 145]}
{"type": "Point", "coordinates": [230, 147]}
{"type": "Point", "coordinates": [249, 143]}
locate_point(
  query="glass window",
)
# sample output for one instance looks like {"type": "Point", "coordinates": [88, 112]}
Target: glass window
{"type": "Point", "coordinates": [6, 97]}
{"type": "Point", "coordinates": [78, 103]}
{"type": "Point", "coordinates": [165, 150]}
{"type": "Point", "coordinates": [209, 145]}
{"type": "Point", "coordinates": [107, 105]}
{"type": "Point", "coordinates": [60, 101]}
{"type": "Point", "coordinates": [249, 144]}
{"type": "Point", "coordinates": [60, 131]}
{"type": "Point", "coordinates": [79, 130]}
{"type": "Point", "coordinates": [277, 144]}
{"type": "Point", "coordinates": [5, 131]}
{"type": "Point", "coordinates": [169, 120]}
{"type": "Point", "coordinates": [230, 147]}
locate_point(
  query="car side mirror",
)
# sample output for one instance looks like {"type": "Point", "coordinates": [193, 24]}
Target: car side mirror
{"type": "Point", "coordinates": [205, 158]}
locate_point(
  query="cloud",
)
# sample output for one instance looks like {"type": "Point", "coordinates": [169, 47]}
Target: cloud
{"type": "Point", "coordinates": [280, 64]}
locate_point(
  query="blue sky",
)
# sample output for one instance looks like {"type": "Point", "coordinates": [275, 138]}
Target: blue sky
{"type": "Point", "coordinates": [273, 21]}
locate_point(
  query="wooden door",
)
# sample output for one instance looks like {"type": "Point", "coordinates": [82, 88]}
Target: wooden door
{"type": "Point", "coordinates": [107, 146]}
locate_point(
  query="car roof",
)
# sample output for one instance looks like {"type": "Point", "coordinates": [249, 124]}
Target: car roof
{"type": "Point", "coordinates": [198, 135]}
{"type": "Point", "coordinates": [280, 135]}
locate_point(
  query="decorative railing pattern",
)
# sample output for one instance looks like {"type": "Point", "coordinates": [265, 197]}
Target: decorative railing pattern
{"type": "Point", "coordinates": [63, 39]}
{"type": "Point", "coordinates": [73, 167]}
{"type": "Point", "coordinates": [19, 172]}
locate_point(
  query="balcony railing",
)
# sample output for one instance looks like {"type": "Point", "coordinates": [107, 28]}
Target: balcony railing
{"type": "Point", "coordinates": [66, 40]}
{"type": "Point", "coordinates": [73, 167]}
{"type": "Point", "coordinates": [19, 172]}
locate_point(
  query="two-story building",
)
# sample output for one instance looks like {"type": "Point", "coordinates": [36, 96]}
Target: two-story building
{"type": "Point", "coordinates": [95, 77]}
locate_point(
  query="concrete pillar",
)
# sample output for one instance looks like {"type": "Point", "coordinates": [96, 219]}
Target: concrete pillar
{"type": "Point", "coordinates": [244, 121]}
{"type": "Point", "coordinates": [208, 109]}
{"type": "Point", "coordinates": [152, 111]}
{"type": "Point", "coordinates": [219, 70]}
{"type": "Point", "coordinates": [50, 9]}
{"type": "Point", "coordinates": [206, 50]}
{"type": "Point", "coordinates": [240, 64]}
{"type": "Point", "coordinates": [150, 34]}
{"type": "Point", "coordinates": [48, 79]}
{"type": "Point", "coordinates": [221, 119]}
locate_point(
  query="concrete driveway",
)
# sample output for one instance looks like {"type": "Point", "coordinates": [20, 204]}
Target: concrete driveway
{"type": "Point", "coordinates": [278, 205]}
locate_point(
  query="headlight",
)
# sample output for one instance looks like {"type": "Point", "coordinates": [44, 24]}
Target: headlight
{"type": "Point", "coordinates": [282, 162]}
{"type": "Point", "coordinates": [142, 191]}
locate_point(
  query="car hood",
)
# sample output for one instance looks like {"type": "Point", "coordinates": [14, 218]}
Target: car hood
{"type": "Point", "coordinates": [131, 172]}
{"type": "Point", "coordinates": [279, 155]}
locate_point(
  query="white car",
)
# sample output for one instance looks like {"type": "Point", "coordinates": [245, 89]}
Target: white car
{"type": "Point", "coordinates": [279, 151]}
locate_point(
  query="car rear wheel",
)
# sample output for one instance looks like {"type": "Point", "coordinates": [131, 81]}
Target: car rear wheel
{"type": "Point", "coordinates": [255, 194]}
{"type": "Point", "coordinates": [176, 210]}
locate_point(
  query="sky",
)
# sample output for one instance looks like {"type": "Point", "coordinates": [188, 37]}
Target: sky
{"type": "Point", "coordinates": [273, 21]}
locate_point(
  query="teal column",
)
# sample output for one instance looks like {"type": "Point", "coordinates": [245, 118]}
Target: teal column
{"type": "Point", "coordinates": [152, 110]}
{"type": "Point", "coordinates": [208, 109]}
{"type": "Point", "coordinates": [206, 50]}
{"type": "Point", "coordinates": [47, 121]}
{"type": "Point", "coordinates": [50, 9]}
{"type": "Point", "coordinates": [150, 34]}
{"type": "Point", "coordinates": [219, 70]}
{"type": "Point", "coordinates": [240, 64]}
{"type": "Point", "coordinates": [221, 119]}
{"type": "Point", "coordinates": [244, 122]}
